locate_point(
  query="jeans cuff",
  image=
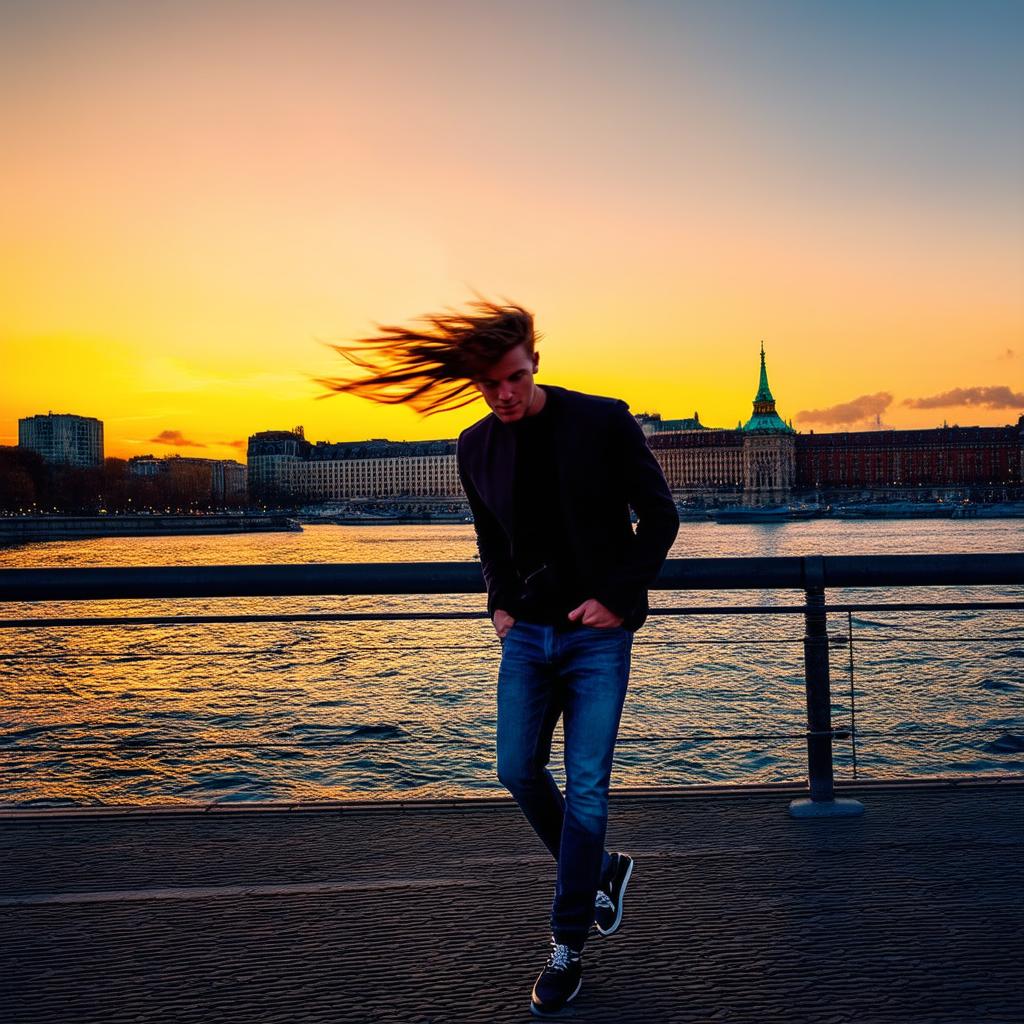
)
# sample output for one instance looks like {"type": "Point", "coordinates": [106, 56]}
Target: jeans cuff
{"type": "Point", "coordinates": [573, 940]}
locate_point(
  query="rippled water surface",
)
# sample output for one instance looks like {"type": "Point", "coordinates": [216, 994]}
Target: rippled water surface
{"type": "Point", "coordinates": [278, 711]}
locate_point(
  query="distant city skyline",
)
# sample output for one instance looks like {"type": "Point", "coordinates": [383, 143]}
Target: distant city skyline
{"type": "Point", "coordinates": [201, 195]}
{"type": "Point", "coordinates": [671, 424]}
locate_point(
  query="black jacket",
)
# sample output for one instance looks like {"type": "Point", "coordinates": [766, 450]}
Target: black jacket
{"type": "Point", "coordinates": [604, 469]}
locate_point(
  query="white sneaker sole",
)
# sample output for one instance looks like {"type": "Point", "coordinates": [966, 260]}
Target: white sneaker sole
{"type": "Point", "coordinates": [618, 910]}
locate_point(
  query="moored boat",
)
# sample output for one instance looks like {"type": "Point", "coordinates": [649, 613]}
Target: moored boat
{"type": "Point", "coordinates": [765, 513]}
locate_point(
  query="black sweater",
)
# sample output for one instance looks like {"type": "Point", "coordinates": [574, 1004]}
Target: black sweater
{"type": "Point", "coordinates": [602, 469]}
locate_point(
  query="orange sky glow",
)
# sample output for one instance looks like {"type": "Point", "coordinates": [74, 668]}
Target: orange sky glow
{"type": "Point", "coordinates": [199, 196]}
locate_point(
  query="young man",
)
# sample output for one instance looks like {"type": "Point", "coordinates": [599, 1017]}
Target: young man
{"type": "Point", "coordinates": [551, 476]}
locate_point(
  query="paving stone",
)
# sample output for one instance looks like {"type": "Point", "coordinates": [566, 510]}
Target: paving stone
{"type": "Point", "coordinates": [737, 913]}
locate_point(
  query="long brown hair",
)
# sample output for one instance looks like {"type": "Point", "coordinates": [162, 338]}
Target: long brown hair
{"type": "Point", "coordinates": [432, 367]}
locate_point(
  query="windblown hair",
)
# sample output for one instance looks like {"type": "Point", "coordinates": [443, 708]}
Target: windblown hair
{"type": "Point", "coordinates": [432, 368]}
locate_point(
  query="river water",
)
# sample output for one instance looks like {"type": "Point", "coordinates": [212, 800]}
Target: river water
{"type": "Point", "coordinates": [361, 710]}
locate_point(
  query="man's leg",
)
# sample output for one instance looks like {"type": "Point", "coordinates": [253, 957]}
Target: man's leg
{"type": "Point", "coordinates": [528, 708]}
{"type": "Point", "coordinates": [594, 669]}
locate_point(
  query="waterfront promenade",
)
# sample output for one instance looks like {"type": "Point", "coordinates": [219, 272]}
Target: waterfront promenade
{"type": "Point", "coordinates": [423, 913]}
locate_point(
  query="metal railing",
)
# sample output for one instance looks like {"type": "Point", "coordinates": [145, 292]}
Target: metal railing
{"type": "Point", "coordinates": [813, 575]}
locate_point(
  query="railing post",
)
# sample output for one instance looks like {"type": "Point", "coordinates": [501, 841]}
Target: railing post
{"type": "Point", "coordinates": [819, 697]}
{"type": "Point", "coordinates": [822, 802]}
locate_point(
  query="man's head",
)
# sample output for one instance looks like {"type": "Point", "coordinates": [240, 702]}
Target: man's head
{"type": "Point", "coordinates": [441, 366]}
{"type": "Point", "coordinates": [508, 386]}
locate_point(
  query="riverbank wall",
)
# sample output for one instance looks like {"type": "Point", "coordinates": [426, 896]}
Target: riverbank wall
{"type": "Point", "coordinates": [18, 529]}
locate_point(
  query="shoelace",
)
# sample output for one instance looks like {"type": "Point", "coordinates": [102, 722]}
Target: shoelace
{"type": "Point", "coordinates": [559, 959]}
{"type": "Point", "coordinates": [603, 901]}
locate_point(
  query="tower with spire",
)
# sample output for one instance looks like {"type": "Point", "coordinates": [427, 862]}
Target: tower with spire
{"type": "Point", "coordinates": [764, 418]}
{"type": "Point", "coordinates": [769, 449]}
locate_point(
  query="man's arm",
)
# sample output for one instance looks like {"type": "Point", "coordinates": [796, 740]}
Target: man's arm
{"type": "Point", "coordinates": [648, 494]}
{"type": "Point", "coordinates": [492, 543]}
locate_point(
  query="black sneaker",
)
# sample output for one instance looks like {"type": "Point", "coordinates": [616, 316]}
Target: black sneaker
{"type": "Point", "coordinates": [608, 902]}
{"type": "Point", "coordinates": [558, 982]}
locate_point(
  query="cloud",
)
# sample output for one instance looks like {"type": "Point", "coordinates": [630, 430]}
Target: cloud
{"type": "Point", "coordinates": [996, 396]}
{"type": "Point", "coordinates": [866, 407]}
{"type": "Point", "coordinates": [175, 439]}
{"type": "Point", "coordinates": [231, 444]}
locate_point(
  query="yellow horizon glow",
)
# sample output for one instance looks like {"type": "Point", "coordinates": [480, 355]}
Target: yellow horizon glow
{"type": "Point", "coordinates": [191, 212]}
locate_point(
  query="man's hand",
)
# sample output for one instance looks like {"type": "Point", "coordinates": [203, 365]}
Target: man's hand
{"type": "Point", "coordinates": [503, 622]}
{"type": "Point", "coordinates": [593, 613]}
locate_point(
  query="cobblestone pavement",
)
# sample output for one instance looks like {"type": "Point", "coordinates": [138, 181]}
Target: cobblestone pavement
{"type": "Point", "coordinates": [438, 913]}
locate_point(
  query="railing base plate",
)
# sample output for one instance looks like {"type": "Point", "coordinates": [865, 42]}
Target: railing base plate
{"type": "Point", "coordinates": [842, 808]}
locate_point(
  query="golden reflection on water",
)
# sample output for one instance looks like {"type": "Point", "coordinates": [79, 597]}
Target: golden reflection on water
{"type": "Point", "coordinates": [266, 711]}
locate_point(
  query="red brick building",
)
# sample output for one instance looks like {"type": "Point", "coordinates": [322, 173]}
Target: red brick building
{"type": "Point", "coordinates": [985, 463]}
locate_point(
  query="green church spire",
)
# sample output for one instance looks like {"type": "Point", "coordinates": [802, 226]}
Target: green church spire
{"type": "Point", "coordinates": [764, 393]}
{"type": "Point", "coordinates": [765, 418]}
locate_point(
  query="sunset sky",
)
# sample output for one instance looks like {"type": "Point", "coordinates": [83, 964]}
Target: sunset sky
{"type": "Point", "coordinates": [197, 196]}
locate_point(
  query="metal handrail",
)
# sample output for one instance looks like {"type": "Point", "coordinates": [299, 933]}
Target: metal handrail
{"type": "Point", "coordinates": [785, 573]}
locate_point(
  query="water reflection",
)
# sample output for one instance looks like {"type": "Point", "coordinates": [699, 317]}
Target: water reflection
{"type": "Point", "coordinates": [364, 709]}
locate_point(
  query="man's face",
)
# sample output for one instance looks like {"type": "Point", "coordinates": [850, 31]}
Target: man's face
{"type": "Point", "coordinates": [508, 386]}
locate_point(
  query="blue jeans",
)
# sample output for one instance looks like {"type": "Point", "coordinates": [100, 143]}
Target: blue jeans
{"type": "Point", "coordinates": [580, 674]}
